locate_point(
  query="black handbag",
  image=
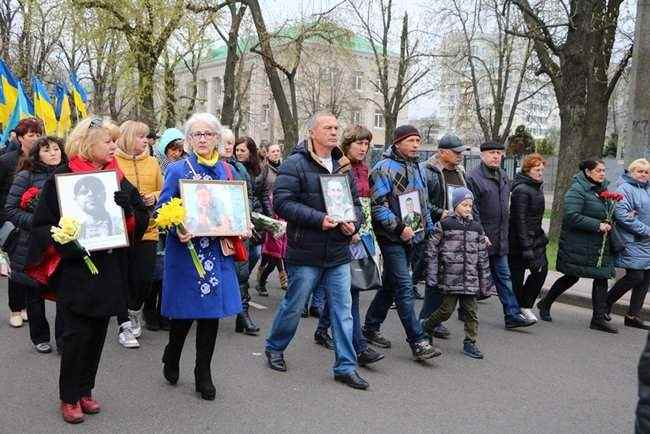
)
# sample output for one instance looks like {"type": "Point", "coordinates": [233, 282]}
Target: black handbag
{"type": "Point", "coordinates": [365, 273]}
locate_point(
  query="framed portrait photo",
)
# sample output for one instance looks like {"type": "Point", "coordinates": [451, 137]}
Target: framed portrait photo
{"type": "Point", "coordinates": [216, 208]}
{"type": "Point", "coordinates": [411, 210]}
{"type": "Point", "coordinates": [338, 198]}
{"type": "Point", "coordinates": [88, 198]}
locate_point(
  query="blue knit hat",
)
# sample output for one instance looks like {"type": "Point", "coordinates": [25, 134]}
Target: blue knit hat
{"type": "Point", "coordinates": [459, 195]}
{"type": "Point", "coordinates": [169, 136]}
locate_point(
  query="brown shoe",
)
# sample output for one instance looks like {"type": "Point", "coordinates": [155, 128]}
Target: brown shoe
{"type": "Point", "coordinates": [72, 412]}
{"type": "Point", "coordinates": [89, 405]}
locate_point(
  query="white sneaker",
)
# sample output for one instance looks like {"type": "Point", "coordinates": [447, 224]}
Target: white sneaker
{"type": "Point", "coordinates": [136, 325]}
{"type": "Point", "coordinates": [126, 338]}
{"type": "Point", "coordinates": [15, 319]}
{"type": "Point", "coordinates": [528, 314]}
{"type": "Point", "coordinates": [23, 315]}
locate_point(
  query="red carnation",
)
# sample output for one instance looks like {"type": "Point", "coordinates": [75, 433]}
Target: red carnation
{"type": "Point", "coordinates": [29, 199]}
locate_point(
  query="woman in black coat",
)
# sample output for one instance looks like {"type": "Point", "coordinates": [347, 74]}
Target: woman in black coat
{"type": "Point", "coordinates": [87, 301]}
{"type": "Point", "coordinates": [45, 157]}
{"type": "Point", "coordinates": [527, 238]}
{"type": "Point", "coordinates": [27, 132]}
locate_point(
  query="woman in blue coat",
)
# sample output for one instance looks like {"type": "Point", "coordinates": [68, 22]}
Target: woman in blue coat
{"type": "Point", "coordinates": [187, 297]}
{"type": "Point", "coordinates": [633, 223]}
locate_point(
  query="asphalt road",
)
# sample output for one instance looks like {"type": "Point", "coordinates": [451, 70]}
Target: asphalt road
{"type": "Point", "coordinates": [552, 378]}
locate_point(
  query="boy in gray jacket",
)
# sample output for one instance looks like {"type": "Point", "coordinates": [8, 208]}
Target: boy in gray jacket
{"type": "Point", "coordinates": [458, 264]}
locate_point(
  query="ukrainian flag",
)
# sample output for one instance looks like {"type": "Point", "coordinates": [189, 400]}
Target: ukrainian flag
{"type": "Point", "coordinates": [43, 107]}
{"type": "Point", "coordinates": [21, 111]}
{"type": "Point", "coordinates": [79, 96]}
{"type": "Point", "coordinates": [62, 110]}
{"type": "Point", "coordinates": [9, 91]}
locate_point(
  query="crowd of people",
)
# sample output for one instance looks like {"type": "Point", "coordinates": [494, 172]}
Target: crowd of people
{"type": "Point", "coordinates": [467, 236]}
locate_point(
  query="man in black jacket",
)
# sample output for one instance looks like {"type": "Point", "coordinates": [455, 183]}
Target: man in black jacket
{"type": "Point", "coordinates": [318, 247]}
{"type": "Point", "coordinates": [491, 188]}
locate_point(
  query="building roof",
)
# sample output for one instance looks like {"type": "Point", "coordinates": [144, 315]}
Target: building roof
{"type": "Point", "coordinates": [355, 43]}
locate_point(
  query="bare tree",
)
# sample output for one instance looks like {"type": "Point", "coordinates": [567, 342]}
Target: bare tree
{"type": "Point", "coordinates": [398, 77]}
{"type": "Point", "coordinates": [574, 49]}
{"type": "Point", "coordinates": [147, 37]}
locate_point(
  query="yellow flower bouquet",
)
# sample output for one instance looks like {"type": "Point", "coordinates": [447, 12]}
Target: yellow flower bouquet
{"type": "Point", "coordinates": [172, 215]}
{"type": "Point", "coordinates": [68, 232]}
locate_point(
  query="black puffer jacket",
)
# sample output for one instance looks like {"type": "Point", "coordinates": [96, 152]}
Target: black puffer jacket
{"type": "Point", "coordinates": [22, 218]}
{"type": "Point", "coordinates": [642, 425]}
{"type": "Point", "coordinates": [298, 199]}
{"type": "Point", "coordinates": [527, 238]}
{"type": "Point", "coordinates": [8, 162]}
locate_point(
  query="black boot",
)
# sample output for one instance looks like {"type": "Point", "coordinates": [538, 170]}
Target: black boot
{"type": "Point", "coordinates": [206, 335]}
{"type": "Point", "coordinates": [171, 359]}
{"type": "Point", "coordinates": [245, 323]}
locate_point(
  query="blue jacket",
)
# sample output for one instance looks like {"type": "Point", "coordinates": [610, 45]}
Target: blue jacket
{"type": "Point", "coordinates": [392, 176]}
{"type": "Point", "coordinates": [185, 295]}
{"type": "Point", "coordinates": [298, 199]}
{"type": "Point", "coordinates": [633, 222]}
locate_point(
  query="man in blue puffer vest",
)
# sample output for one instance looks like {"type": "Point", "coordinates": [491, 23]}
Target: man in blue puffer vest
{"type": "Point", "coordinates": [318, 246]}
{"type": "Point", "coordinates": [398, 173]}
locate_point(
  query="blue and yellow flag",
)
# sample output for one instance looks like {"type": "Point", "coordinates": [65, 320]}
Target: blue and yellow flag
{"type": "Point", "coordinates": [62, 110]}
{"type": "Point", "coordinates": [21, 111]}
{"type": "Point", "coordinates": [9, 88]}
{"type": "Point", "coordinates": [79, 96]}
{"type": "Point", "coordinates": [43, 107]}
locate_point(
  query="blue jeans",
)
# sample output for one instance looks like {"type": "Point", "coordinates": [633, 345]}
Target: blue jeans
{"type": "Point", "coordinates": [501, 275]}
{"type": "Point", "coordinates": [254, 256]}
{"type": "Point", "coordinates": [432, 301]}
{"type": "Point", "coordinates": [398, 287]}
{"type": "Point", "coordinates": [358, 340]}
{"type": "Point", "coordinates": [302, 281]}
{"type": "Point", "coordinates": [317, 298]}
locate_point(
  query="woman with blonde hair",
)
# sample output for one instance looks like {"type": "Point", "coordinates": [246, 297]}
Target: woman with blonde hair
{"type": "Point", "coordinates": [633, 227]}
{"type": "Point", "coordinates": [87, 301]}
{"type": "Point", "coordinates": [142, 170]}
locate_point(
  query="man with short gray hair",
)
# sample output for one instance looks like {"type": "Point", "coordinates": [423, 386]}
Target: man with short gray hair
{"type": "Point", "coordinates": [318, 246]}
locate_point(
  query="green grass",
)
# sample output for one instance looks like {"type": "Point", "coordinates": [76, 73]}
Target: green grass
{"type": "Point", "coordinates": [551, 254]}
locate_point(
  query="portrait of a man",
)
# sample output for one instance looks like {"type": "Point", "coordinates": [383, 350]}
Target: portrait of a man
{"type": "Point", "coordinates": [338, 198]}
{"type": "Point", "coordinates": [88, 198]}
{"type": "Point", "coordinates": [411, 211]}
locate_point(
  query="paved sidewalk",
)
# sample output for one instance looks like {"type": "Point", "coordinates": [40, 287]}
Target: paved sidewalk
{"type": "Point", "coordinates": [580, 294]}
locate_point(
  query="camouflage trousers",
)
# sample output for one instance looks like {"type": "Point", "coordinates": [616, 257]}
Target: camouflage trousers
{"type": "Point", "coordinates": [467, 303]}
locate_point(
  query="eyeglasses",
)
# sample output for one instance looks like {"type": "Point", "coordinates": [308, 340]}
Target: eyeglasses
{"type": "Point", "coordinates": [203, 134]}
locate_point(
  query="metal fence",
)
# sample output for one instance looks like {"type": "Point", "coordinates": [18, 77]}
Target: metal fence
{"type": "Point", "coordinates": [509, 164]}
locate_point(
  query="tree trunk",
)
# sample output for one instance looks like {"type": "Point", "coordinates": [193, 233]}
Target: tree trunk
{"type": "Point", "coordinates": [170, 95]}
{"type": "Point", "coordinates": [146, 76]}
{"type": "Point", "coordinates": [390, 123]}
{"type": "Point", "coordinates": [232, 60]}
{"type": "Point", "coordinates": [637, 144]}
{"type": "Point", "coordinates": [289, 124]}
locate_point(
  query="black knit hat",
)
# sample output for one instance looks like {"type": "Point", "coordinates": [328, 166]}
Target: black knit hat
{"type": "Point", "coordinates": [490, 146]}
{"type": "Point", "coordinates": [403, 132]}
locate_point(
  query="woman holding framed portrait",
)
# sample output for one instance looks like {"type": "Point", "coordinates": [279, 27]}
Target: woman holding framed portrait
{"type": "Point", "coordinates": [186, 295]}
{"type": "Point", "coordinates": [86, 300]}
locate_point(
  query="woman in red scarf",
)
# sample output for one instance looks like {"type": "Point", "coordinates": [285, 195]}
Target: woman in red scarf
{"type": "Point", "coordinates": [87, 301]}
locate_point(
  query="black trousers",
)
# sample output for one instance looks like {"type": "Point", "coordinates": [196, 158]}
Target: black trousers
{"type": "Point", "coordinates": [83, 342]}
{"type": "Point", "coordinates": [39, 328]}
{"type": "Point", "coordinates": [268, 264]}
{"type": "Point", "coordinates": [636, 280]}
{"type": "Point", "coordinates": [206, 336]}
{"type": "Point", "coordinates": [598, 294]}
{"type": "Point", "coordinates": [142, 261]}
{"type": "Point", "coordinates": [17, 296]}
{"type": "Point", "coordinates": [528, 291]}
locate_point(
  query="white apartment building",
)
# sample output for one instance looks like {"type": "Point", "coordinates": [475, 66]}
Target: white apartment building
{"type": "Point", "coordinates": [456, 109]}
{"type": "Point", "coordinates": [338, 77]}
